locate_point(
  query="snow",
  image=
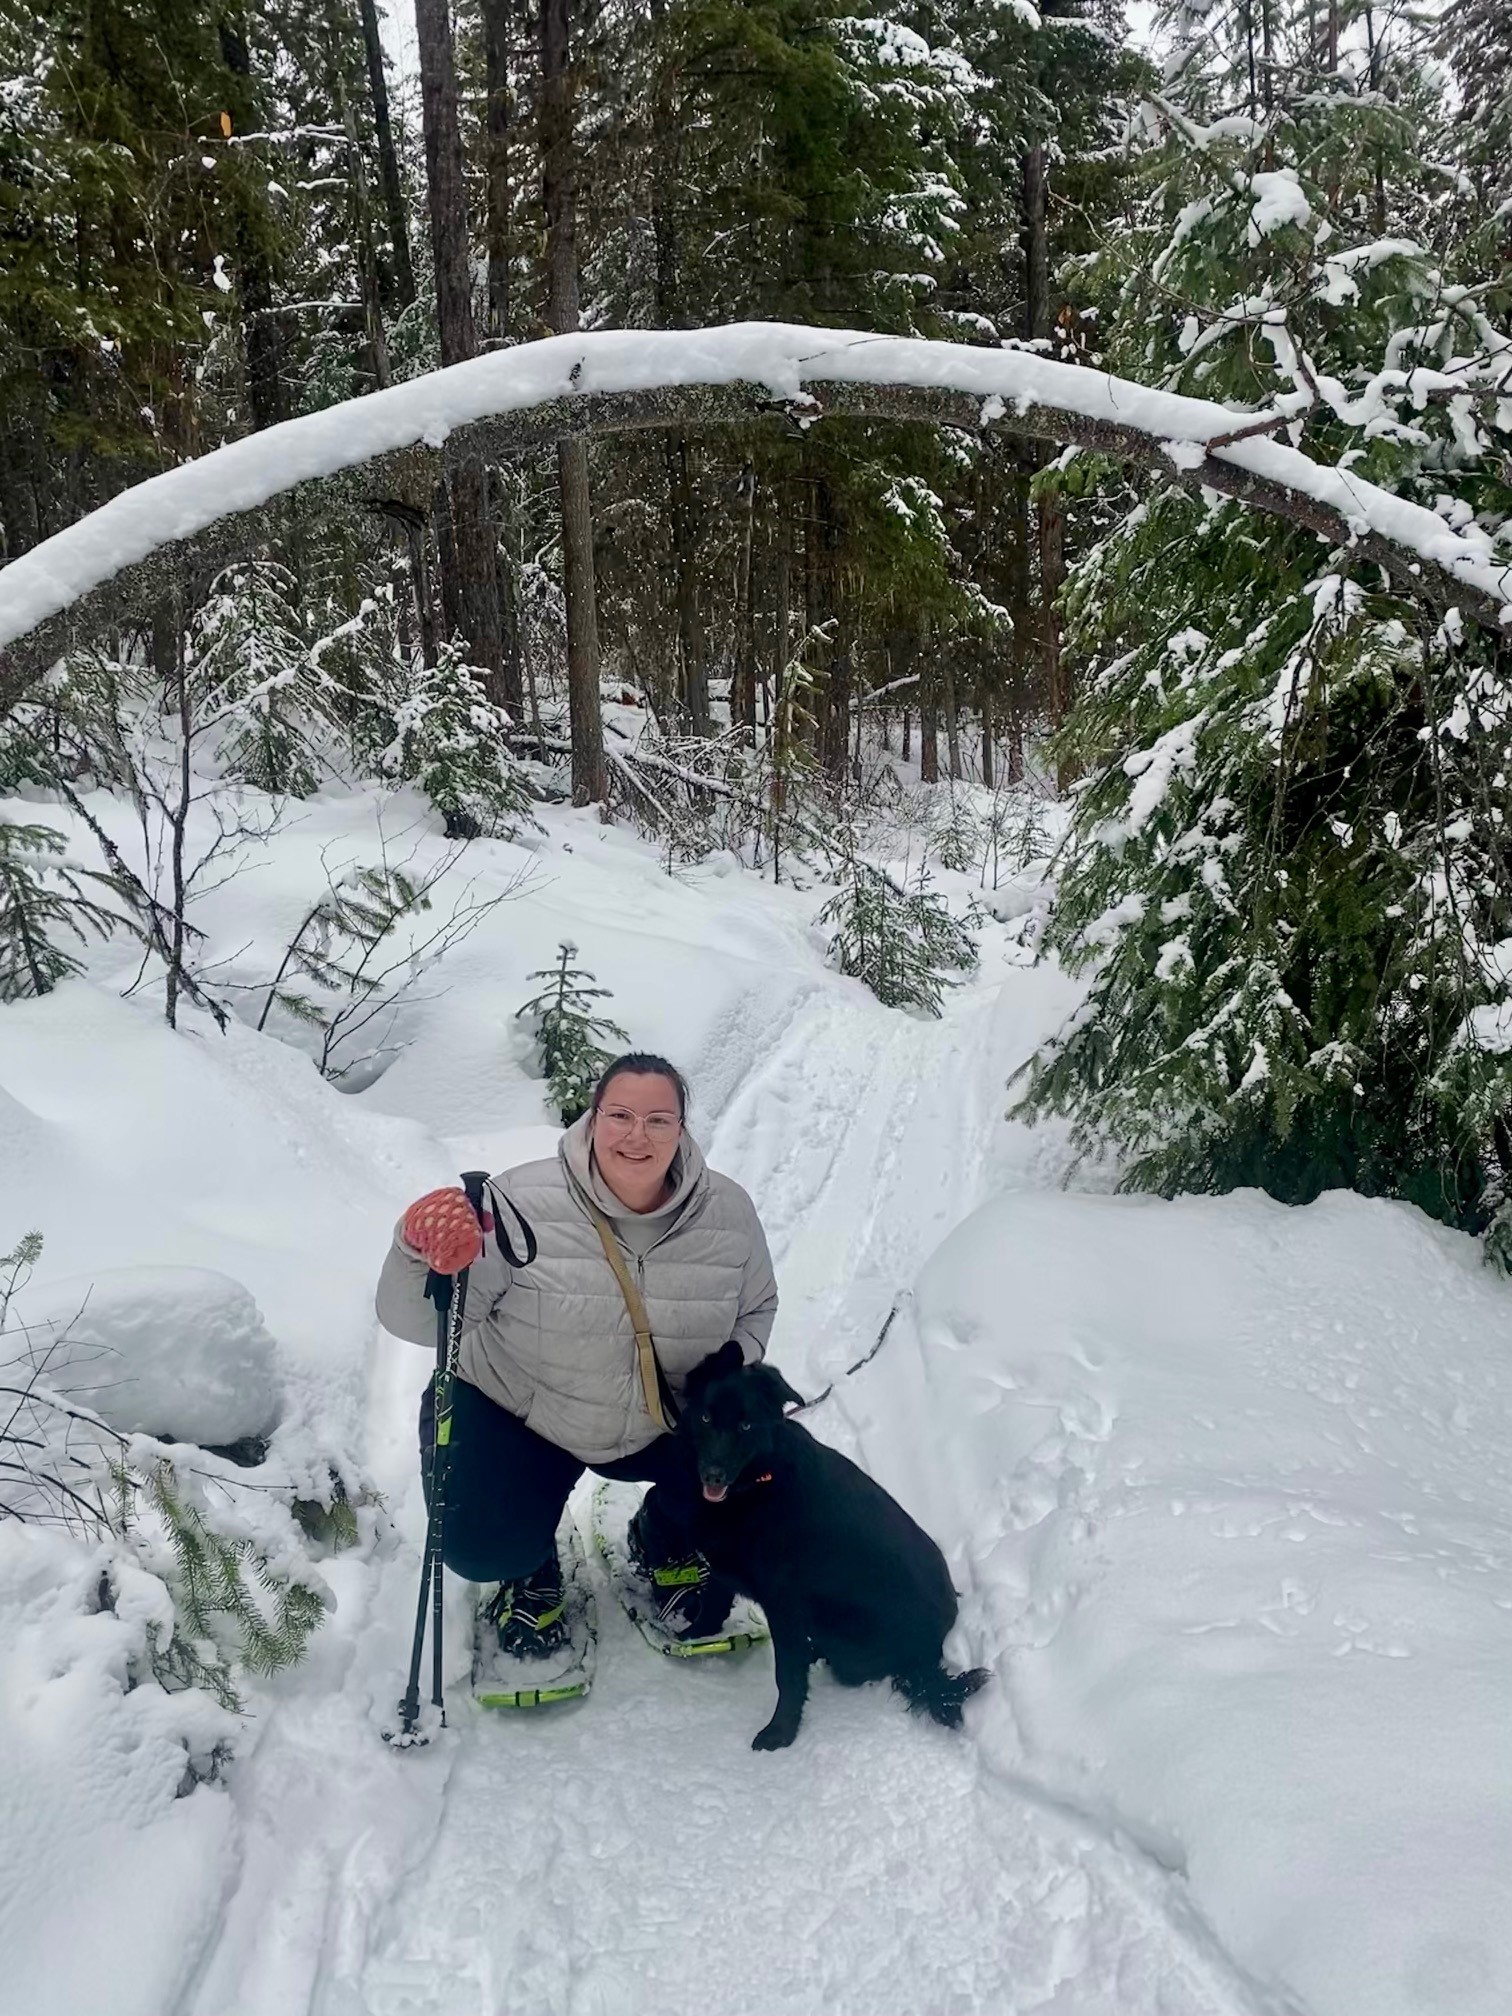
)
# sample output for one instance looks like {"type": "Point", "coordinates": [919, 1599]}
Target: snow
{"type": "Point", "coordinates": [110, 1883]}
{"type": "Point", "coordinates": [1224, 1487]}
{"type": "Point", "coordinates": [1277, 199]}
{"type": "Point", "coordinates": [1231, 1481]}
{"type": "Point", "coordinates": [180, 1352]}
{"type": "Point", "coordinates": [785, 359]}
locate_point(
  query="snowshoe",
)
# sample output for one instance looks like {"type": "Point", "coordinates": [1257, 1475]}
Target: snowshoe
{"type": "Point", "coordinates": [662, 1615]}
{"type": "Point", "coordinates": [533, 1647]}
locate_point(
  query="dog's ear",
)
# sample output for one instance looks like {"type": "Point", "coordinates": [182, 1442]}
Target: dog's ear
{"type": "Point", "coordinates": [718, 1365]}
{"type": "Point", "coordinates": [773, 1383]}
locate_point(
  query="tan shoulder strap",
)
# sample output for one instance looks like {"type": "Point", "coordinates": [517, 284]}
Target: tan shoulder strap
{"type": "Point", "coordinates": [640, 1322]}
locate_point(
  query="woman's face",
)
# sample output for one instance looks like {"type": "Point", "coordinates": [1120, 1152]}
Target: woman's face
{"type": "Point", "coordinates": [635, 1134]}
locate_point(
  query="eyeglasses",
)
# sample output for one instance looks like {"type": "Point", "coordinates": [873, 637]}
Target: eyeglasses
{"type": "Point", "coordinates": [658, 1126]}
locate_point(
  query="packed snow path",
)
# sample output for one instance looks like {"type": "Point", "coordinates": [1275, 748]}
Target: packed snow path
{"type": "Point", "coordinates": [633, 1853]}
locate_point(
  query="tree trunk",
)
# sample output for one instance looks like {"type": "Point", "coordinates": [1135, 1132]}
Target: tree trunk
{"type": "Point", "coordinates": [254, 271]}
{"type": "Point", "coordinates": [369, 272]}
{"type": "Point", "coordinates": [929, 720]}
{"type": "Point", "coordinates": [469, 560]}
{"type": "Point", "coordinates": [743, 684]}
{"type": "Point", "coordinates": [782, 598]}
{"type": "Point", "coordinates": [388, 159]}
{"type": "Point", "coordinates": [987, 727]}
{"type": "Point", "coordinates": [952, 712]}
{"type": "Point", "coordinates": [496, 49]}
{"type": "Point", "coordinates": [559, 201]}
{"type": "Point", "coordinates": [1036, 243]}
{"type": "Point", "coordinates": [1049, 520]}
{"type": "Point", "coordinates": [1052, 566]}
{"type": "Point", "coordinates": [443, 169]}
{"type": "Point", "coordinates": [692, 645]}
{"type": "Point", "coordinates": [665, 173]}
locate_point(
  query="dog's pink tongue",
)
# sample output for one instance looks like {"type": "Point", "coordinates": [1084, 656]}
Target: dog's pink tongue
{"type": "Point", "coordinates": [715, 1492]}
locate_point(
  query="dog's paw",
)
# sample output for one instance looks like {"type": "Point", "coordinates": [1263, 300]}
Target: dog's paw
{"type": "Point", "coordinates": [777, 1735]}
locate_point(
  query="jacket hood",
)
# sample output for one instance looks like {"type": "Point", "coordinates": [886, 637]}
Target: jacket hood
{"type": "Point", "coordinates": [689, 1174]}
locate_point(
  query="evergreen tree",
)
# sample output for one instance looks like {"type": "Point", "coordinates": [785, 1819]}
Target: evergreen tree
{"type": "Point", "coordinates": [1287, 882]}
{"type": "Point", "coordinates": [452, 740]}
{"type": "Point", "coordinates": [903, 944]}
{"type": "Point", "coordinates": [258, 696]}
{"type": "Point", "coordinates": [40, 898]}
{"type": "Point", "coordinates": [233, 1610]}
{"type": "Point", "coordinates": [566, 1032]}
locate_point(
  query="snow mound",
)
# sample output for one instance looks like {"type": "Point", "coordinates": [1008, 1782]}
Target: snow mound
{"type": "Point", "coordinates": [1229, 1484]}
{"type": "Point", "coordinates": [178, 1352]}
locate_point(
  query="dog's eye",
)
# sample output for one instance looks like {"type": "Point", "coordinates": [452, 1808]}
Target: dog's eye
{"type": "Point", "coordinates": [704, 1418]}
{"type": "Point", "coordinates": [745, 1427]}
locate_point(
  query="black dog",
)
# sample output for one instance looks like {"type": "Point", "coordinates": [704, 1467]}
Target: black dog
{"type": "Point", "coordinates": [840, 1569]}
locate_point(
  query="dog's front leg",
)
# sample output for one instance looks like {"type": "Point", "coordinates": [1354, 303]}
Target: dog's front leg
{"type": "Point", "coordinates": [793, 1655]}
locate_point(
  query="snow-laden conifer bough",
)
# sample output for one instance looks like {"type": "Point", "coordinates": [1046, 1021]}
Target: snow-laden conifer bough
{"type": "Point", "coordinates": [116, 563]}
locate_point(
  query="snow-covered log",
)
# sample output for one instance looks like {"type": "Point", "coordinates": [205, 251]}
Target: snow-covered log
{"type": "Point", "coordinates": [115, 564]}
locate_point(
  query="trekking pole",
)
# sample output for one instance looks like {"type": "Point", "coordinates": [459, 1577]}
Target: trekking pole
{"type": "Point", "coordinates": [450, 1299]}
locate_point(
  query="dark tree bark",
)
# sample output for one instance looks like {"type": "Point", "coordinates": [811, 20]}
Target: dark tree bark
{"type": "Point", "coordinates": [388, 159]}
{"type": "Point", "coordinates": [692, 642]}
{"type": "Point", "coordinates": [1036, 243]}
{"type": "Point", "coordinates": [1049, 518]}
{"type": "Point", "coordinates": [929, 719]}
{"type": "Point", "coordinates": [952, 711]}
{"type": "Point", "coordinates": [496, 51]}
{"type": "Point", "coordinates": [559, 200]}
{"type": "Point", "coordinates": [469, 560]}
{"type": "Point", "coordinates": [782, 599]}
{"type": "Point", "coordinates": [447, 199]}
{"type": "Point", "coordinates": [254, 270]}
{"type": "Point", "coordinates": [369, 269]}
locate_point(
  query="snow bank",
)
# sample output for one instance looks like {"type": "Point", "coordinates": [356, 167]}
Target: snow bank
{"type": "Point", "coordinates": [785, 358]}
{"type": "Point", "coordinates": [177, 1352]}
{"type": "Point", "coordinates": [127, 1145]}
{"type": "Point", "coordinates": [1230, 1486]}
{"type": "Point", "coordinates": [96, 1843]}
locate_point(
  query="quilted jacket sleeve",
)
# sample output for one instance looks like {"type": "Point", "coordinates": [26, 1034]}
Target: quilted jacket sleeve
{"type": "Point", "coordinates": [758, 1294]}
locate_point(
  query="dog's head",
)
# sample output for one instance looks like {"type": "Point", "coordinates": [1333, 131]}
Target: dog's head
{"type": "Point", "coordinates": [732, 1414]}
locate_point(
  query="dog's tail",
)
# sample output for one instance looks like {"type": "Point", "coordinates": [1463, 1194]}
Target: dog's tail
{"type": "Point", "coordinates": [941, 1693]}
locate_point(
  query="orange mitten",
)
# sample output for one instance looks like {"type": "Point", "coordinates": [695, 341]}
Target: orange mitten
{"type": "Point", "coordinates": [444, 1229]}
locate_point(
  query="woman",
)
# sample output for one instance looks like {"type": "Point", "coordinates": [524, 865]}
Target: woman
{"type": "Point", "coordinates": [552, 1378]}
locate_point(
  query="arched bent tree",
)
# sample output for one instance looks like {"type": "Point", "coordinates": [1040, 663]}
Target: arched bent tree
{"type": "Point", "coordinates": [116, 565]}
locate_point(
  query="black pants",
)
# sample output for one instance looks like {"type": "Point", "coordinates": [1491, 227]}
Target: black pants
{"type": "Point", "coordinates": [507, 1486]}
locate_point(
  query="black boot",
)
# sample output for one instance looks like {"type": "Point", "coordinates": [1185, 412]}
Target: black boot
{"type": "Point", "coordinates": [530, 1614]}
{"type": "Point", "coordinates": [692, 1602]}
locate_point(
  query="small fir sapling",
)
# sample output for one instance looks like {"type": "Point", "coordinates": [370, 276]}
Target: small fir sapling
{"type": "Point", "coordinates": [566, 1029]}
{"type": "Point", "coordinates": [258, 694]}
{"type": "Point", "coordinates": [958, 837]}
{"type": "Point", "coordinates": [452, 740]}
{"type": "Point", "coordinates": [41, 897]}
{"type": "Point", "coordinates": [902, 943]}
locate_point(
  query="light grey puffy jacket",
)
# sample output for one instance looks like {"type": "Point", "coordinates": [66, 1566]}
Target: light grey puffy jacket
{"type": "Point", "coordinates": [553, 1342]}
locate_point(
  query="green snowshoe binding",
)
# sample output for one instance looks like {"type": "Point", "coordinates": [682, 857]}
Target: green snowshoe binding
{"type": "Point", "coordinates": [535, 1640]}
{"type": "Point", "coordinates": [670, 1601]}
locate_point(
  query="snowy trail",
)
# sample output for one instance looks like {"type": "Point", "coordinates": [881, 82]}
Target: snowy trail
{"type": "Point", "coordinates": [634, 1853]}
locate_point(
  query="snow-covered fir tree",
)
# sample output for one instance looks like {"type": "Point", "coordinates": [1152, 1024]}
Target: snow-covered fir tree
{"type": "Point", "coordinates": [1288, 886]}
{"type": "Point", "coordinates": [567, 1029]}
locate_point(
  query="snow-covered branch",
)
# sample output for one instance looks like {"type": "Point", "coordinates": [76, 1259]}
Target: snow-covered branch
{"type": "Point", "coordinates": [616, 381]}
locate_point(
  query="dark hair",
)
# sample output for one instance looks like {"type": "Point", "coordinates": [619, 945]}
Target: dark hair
{"type": "Point", "coordinates": [644, 1065]}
